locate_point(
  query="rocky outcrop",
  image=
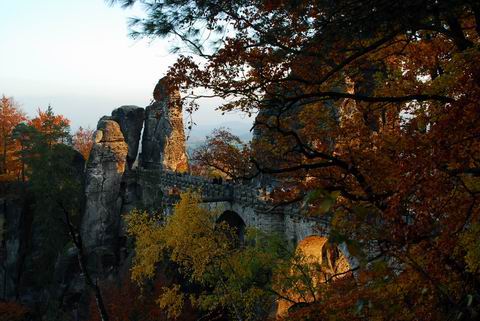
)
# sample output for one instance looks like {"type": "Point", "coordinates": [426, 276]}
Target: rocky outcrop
{"type": "Point", "coordinates": [105, 168]}
{"type": "Point", "coordinates": [130, 119]}
{"type": "Point", "coordinates": [111, 188]}
{"type": "Point", "coordinates": [163, 142]}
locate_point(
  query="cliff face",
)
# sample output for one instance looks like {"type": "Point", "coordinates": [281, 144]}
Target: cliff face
{"type": "Point", "coordinates": [33, 271]}
{"type": "Point", "coordinates": [13, 242]}
{"type": "Point", "coordinates": [163, 142]}
{"type": "Point", "coordinates": [130, 119]}
{"type": "Point", "coordinates": [105, 168]}
{"type": "Point", "coordinates": [111, 189]}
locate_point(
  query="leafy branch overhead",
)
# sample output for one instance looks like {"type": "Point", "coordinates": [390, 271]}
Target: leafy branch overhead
{"type": "Point", "coordinates": [369, 109]}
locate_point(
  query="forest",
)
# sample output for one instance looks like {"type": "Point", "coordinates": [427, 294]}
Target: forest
{"type": "Point", "coordinates": [356, 199]}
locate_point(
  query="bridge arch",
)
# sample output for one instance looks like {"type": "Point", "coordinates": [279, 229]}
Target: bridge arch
{"type": "Point", "coordinates": [315, 249]}
{"type": "Point", "coordinates": [235, 221]}
{"type": "Point", "coordinates": [324, 264]}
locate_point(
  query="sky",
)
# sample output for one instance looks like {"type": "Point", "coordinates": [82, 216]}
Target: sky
{"type": "Point", "coordinates": [76, 56]}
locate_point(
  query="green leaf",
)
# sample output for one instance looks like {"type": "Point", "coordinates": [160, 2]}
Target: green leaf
{"type": "Point", "coordinates": [314, 195]}
{"type": "Point", "coordinates": [326, 204]}
{"type": "Point", "coordinates": [327, 199]}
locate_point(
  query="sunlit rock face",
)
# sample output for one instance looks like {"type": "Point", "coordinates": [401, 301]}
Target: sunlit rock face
{"type": "Point", "coordinates": [130, 119]}
{"type": "Point", "coordinates": [163, 142]}
{"type": "Point", "coordinates": [325, 264]}
{"type": "Point", "coordinates": [105, 168]}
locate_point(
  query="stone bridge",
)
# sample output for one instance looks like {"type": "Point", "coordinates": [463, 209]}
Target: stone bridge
{"type": "Point", "coordinates": [241, 205]}
{"type": "Point", "coordinates": [244, 203]}
{"type": "Point", "coordinates": [137, 160]}
{"type": "Point", "coordinates": [121, 176]}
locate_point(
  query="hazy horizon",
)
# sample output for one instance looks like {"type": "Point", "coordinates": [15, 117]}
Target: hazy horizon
{"type": "Point", "coordinates": [77, 57]}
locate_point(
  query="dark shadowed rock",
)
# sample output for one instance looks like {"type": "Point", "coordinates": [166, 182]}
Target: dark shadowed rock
{"type": "Point", "coordinates": [130, 119]}
{"type": "Point", "coordinates": [12, 243]}
{"type": "Point", "coordinates": [163, 142]}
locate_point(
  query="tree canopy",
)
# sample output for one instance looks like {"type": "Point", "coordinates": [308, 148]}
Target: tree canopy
{"type": "Point", "coordinates": [368, 111]}
{"type": "Point", "coordinates": [10, 116]}
{"type": "Point", "coordinates": [83, 141]}
{"type": "Point", "coordinates": [221, 276]}
{"type": "Point", "coordinates": [225, 154]}
{"type": "Point", "coordinates": [297, 50]}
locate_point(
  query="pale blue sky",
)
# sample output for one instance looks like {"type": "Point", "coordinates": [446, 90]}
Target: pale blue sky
{"type": "Point", "coordinates": [77, 56]}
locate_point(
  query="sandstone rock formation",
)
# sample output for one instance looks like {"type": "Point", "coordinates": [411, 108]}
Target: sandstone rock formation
{"type": "Point", "coordinates": [104, 173]}
{"type": "Point", "coordinates": [130, 119]}
{"type": "Point", "coordinates": [112, 188]}
{"type": "Point", "coordinates": [163, 142]}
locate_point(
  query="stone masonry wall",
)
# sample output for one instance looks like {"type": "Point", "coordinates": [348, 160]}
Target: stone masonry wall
{"type": "Point", "coordinates": [246, 200]}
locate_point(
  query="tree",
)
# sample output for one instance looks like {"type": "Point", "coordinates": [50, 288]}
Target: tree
{"type": "Point", "coordinates": [55, 180]}
{"type": "Point", "coordinates": [369, 111]}
{"type": "Point", "coordinates": [225, 153]}
{"type": "Point", "coordinates": [83, 141]}
{"type": "Point", "coordinates": [126, 300]}
{"type": "Point", "coordinates": [205, 253]}
{"type": "Point", "coordinates": [10, 116]}
{"type": "Point", "coordinates": [217, 273]}
{"type": "Point", "coordinates": [54, 128]}
{"type": "Point", "coordinates": [38, 138]}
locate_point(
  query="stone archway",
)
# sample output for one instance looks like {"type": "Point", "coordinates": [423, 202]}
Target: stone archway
{"type": "Point", "coordinates": [234, 221]}
{"type": "Point", "coordinates": [329, 264]}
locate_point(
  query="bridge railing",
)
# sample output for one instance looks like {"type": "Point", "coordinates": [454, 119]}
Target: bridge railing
{"type": "Point", "coordinates": [177, 182]}
{"type": "Point", "coordinates": [172, 183]}
{"type": "Point", "coordinates": [211, 190]}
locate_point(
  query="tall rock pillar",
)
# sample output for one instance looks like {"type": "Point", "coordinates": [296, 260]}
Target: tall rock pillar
{"type": "Point", "coordinates": [163, 142]}
{"type": "Point", "coordinates": [130, 119]}
{"type": "Point", "coordinates": [105, 168]}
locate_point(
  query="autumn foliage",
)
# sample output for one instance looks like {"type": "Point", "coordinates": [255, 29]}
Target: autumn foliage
{"type": "Point", "coordinates": [53, 127]}
{"type": "Point", "coordinates": [127, 300]}
{"type": "Point", "coordinates": [124, 301]}
{"type": "Point", "coordinates": [369, 115]}
{"type": "Point", "coordinates": [83, 141]}
{"type": "Point", "coordinates": [18, 134]}
{"type": "Point", "coordinates": [10, 117]}
{"type": "Point", "coordinates": [223, 154]}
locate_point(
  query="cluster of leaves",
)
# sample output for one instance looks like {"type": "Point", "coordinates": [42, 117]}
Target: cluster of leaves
{"type": "Point", "coordinates": [373, 103]}
{"type": "Point", "coordinates": [204, 252]}
{"type": "Point", "coordinates": [120, 306]}
{"type": "Point", "coordinates": [83, 141]}
{"type": "Point", "coordinates": [225, 154]}
{"type": "Point", "coordinates": [16, 130]}
{"type": "Point", "coordinates": [218, 274]}
{"type": "Point", "coordinates": [10, 116]}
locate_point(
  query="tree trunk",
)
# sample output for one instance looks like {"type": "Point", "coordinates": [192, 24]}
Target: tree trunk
{"type": "Point", "coordinates": [82, 261]}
